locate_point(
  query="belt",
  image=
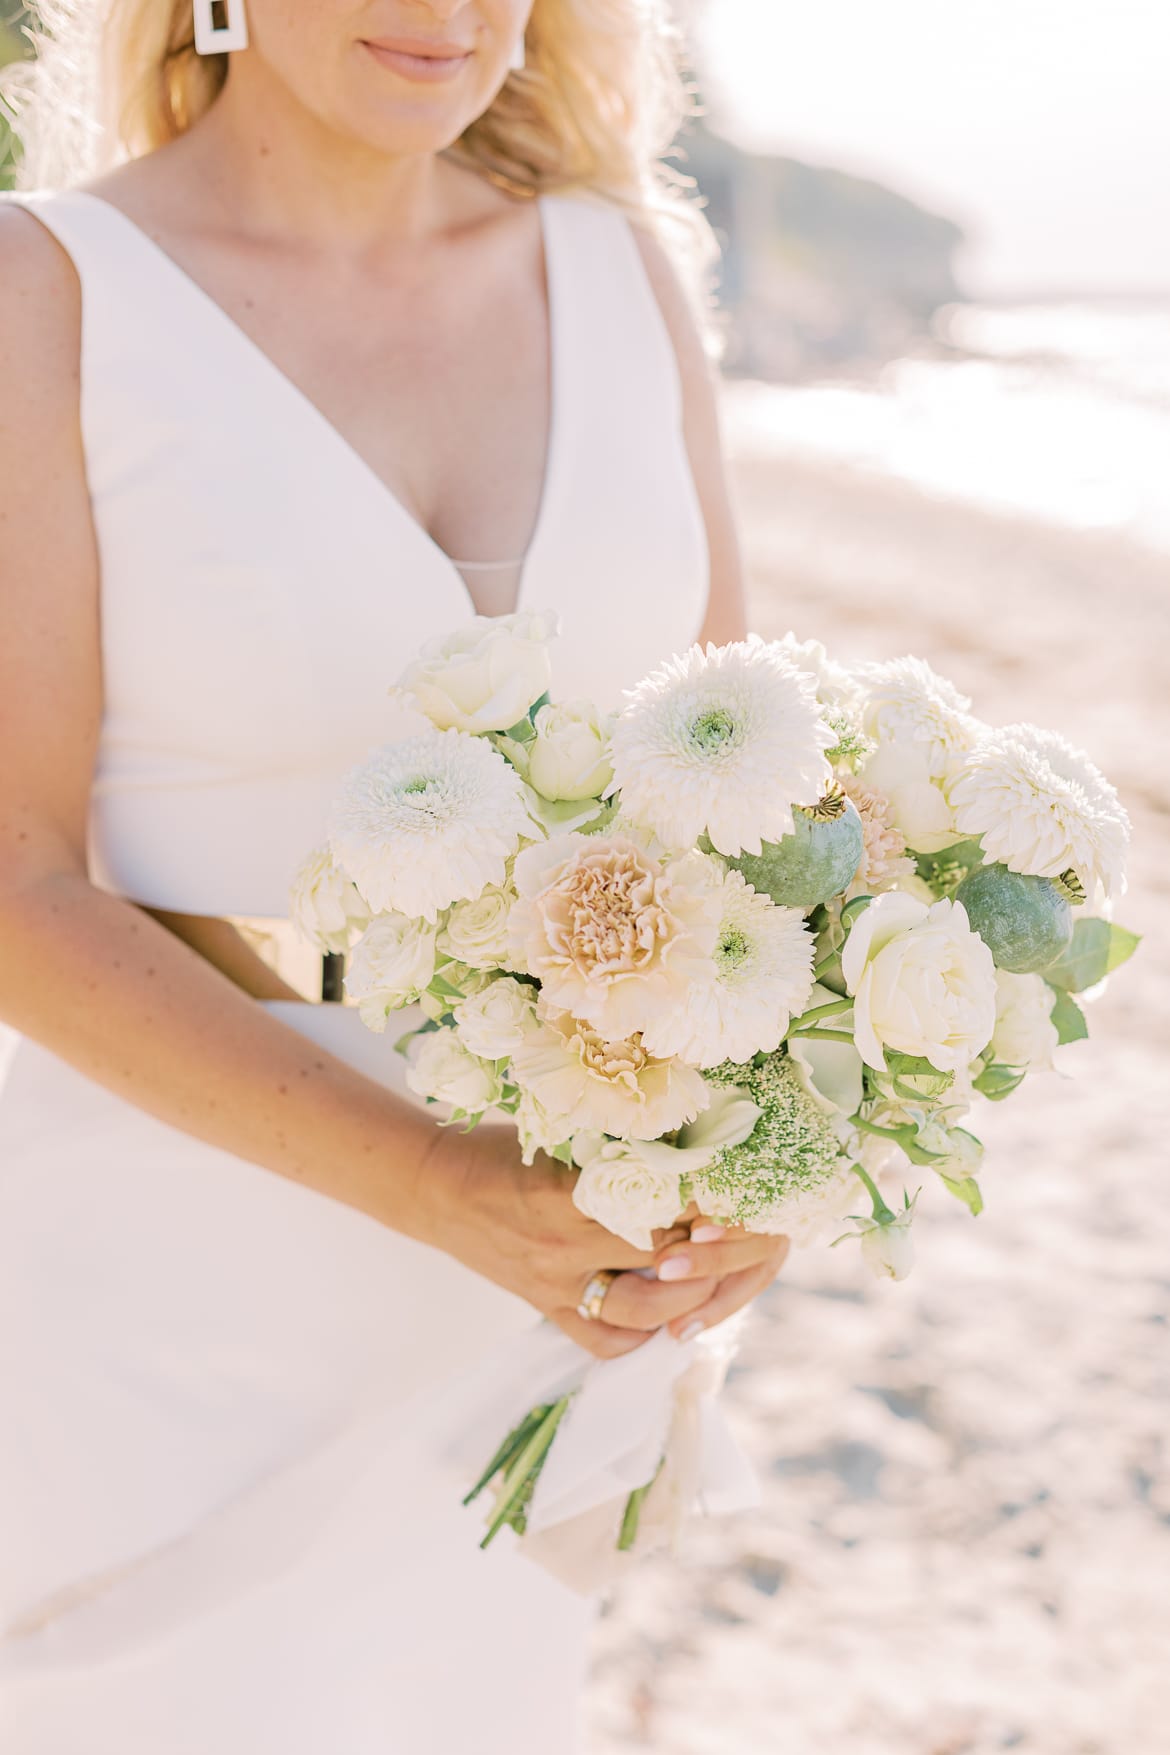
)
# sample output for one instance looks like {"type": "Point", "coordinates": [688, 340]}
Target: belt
{"type": "Point", "coordinates": [278, 943]}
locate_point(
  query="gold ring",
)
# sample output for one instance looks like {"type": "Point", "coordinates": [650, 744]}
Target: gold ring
{"type": "Point", "coordinates": [593, 1296]}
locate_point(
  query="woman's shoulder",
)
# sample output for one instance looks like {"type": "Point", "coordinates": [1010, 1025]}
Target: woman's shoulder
{"type": "Point", "coordinates": [40, 302]}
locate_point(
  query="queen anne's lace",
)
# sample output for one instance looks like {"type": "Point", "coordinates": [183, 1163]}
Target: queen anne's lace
{"type": "Point", "coordinates": [790, 1174]}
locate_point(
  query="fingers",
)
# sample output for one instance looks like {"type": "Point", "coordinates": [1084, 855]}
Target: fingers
{"type": "Point", "coordinates": [701, 1259]}
{"type": "Point", "coordinates": [599, 1338]}
{"type": "Point", "coordinates": [637, 1303]}
{"type": "Point", "coordinates": [733, 1293]}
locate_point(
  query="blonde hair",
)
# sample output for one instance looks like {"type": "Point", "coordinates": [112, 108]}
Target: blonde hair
{"type": "Point", "coordinates": [597, 106]}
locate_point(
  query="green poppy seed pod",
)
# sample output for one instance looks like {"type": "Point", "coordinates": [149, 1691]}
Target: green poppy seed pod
{"type": "Point", "coordinates": [817, 861]}
{"type": "Point", "coordinates": [1024, 921]}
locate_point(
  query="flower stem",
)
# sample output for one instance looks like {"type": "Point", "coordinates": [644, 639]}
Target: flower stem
{"type": "Point", "coordinates": [881, 1211]}
{"type": "Point", "coordinates": [821, 1011]}
{"type": "Point", "coordinates": [633, 1513]}
{"type": "Point", "coordinates": [816, 1034]}
{"type": "Point", "coordinates": [521, 1474]}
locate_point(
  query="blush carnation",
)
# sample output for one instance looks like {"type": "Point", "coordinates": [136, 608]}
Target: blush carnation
{"type": "Point", "coordinates": [884, 861]}
{"type": "Point", "coordinates": [591, 1084]}
{"type": "Point", "coordinates": [615, 936]}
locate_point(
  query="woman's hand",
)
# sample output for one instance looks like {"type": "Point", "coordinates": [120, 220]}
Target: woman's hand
{"type": "Point", "coordinates": [519, 1227]}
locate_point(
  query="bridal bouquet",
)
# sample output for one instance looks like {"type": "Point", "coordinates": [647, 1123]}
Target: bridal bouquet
{"type": "Point", "coordinates": [753, 946]}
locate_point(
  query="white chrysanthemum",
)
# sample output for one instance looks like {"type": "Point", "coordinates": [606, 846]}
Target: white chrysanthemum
{"type": "Point", "coordinates": [324, 904]}
{"type": "Point", "coordinates": [763, 977]}
{"type": "Point", "coordinates": [427, 822]}
{"type": "Point", "coordinates": [723, 741]}
{"type": "Point", "coordinates": [836, 684]}
{"type": "Point", "coordinates": [908, 702]}
{"type": "Point", "coordinates": [1041, 807]}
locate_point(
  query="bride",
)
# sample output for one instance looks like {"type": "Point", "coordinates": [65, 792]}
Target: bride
{"type": "Point", "coordinates": [323, 328]}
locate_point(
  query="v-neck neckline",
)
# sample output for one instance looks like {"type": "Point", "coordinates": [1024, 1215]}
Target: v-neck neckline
{"type": "Point", "coordinates": [333, 434]}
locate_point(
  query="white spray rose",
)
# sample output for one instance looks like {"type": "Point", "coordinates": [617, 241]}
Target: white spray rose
{"type": "Point", "coordinates": [477, 932]}
{"type": "Point", "coordinates": [442, 1068]}
{"type": "Point", "coordinates": [922, 982]}
{"type": "Point", "coordinates": [390, 965]}
{"type": "Point", "coordinates": [495, 1021]}
{"type": "Point", "coordinates": [889, 1249]}
{"type": "Point", "coordinates": [326, 907]}
{"type": "Point", "coordinates": [919, 809]}
{"type": "Point", "coordinates": [569, 757]}
{"type": "Point", "coordinates": [465, 981]}
{"type": "Point", "coordinates": [486, 675]}
{"type": "Point", "coordinates": [1025, 1035]}
{"type": "Point", "coordinates": [632, 1187]}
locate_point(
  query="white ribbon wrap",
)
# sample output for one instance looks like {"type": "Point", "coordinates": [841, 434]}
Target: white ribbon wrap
{"type": "Point", "coordinates": [626, 1416]}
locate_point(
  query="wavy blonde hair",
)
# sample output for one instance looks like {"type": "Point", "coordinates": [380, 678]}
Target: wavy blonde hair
{"type": "Point", "coordinates": [597, 107]}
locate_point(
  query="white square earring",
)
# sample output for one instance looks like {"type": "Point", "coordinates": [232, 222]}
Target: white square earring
{"type": "Point", "coordinates": [516, 64]}
{"type": "Point", "coordinates": [213, 39]}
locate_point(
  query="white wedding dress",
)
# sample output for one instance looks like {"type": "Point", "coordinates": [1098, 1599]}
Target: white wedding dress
{"type": "Point", "coordinates": [186, 1339]}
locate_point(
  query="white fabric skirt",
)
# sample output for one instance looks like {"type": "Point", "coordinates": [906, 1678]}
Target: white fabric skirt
{"type": "Point", "coordinates": [196, 1556]}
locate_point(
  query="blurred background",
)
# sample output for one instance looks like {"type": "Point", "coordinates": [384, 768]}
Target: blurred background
{"type": "Point", "coordinates": [947, 408]}
{"type": "Point", "coordinates": [946, 280]}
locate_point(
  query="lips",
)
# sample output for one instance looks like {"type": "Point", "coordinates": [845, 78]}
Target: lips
{"type": "Point", "coordinates": [419, 48]}
{"type": "Point", "coordinates": [417, 59]}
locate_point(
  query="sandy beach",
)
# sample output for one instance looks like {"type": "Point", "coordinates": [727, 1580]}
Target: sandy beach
{"type": "Point", "coordinates": [965, 1540]}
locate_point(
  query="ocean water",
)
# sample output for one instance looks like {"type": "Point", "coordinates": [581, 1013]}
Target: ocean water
{"type": "Point", "coordinates": [1058, 412]}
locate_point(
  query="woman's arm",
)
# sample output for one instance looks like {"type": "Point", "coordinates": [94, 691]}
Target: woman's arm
{"type": "Point", "coordinates": [726, 617]}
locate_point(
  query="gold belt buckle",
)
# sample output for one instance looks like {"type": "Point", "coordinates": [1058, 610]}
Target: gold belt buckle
{"type": "Point", "coordinates": [277, 943]}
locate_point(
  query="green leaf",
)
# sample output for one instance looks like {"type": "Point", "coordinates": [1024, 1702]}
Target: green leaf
{"type": "Point", "coordinates": [522, 732]}
{"type": "Point", "coordinates": [443, 989]}
{"type": "Point", "coordinates": [563, 1153]}
{"type": "Point", "coordinates": [1068, 1017]}
{"type": "Point", "coordinates": [1097, 948]}
{"type": "Point", "coordinates": [967, 1190]}
{"type": "Point", "coordinates": [927, 1080]}
{"type": "Point", "coordinates": [403, 1043]}
{"type": "Point", "coordinates": [996, 1082]}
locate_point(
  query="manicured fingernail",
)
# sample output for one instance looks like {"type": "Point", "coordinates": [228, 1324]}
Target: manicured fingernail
{"type": "Point", "coordinates": [706, 1234]}
{"type": "Point", "coordinates": [677, 1268]}
{"type": "Point", "coordinates": [691, 1330]}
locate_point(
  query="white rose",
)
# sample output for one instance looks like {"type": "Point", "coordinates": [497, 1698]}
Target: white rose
{"type": "Point", "coordinates": [900, 771]}
{"type": "Point", "coordinates": [390, 966]}
{"type": "Point", "coordinates": [632, 1187]}
{"type": "Point", "coordinates": [325, 905]}
{"type": "Point", "coordinates": [536, 1129]}
{"type": "Point", "coordinates": [476, 933]}
{"type": "Point", "coordinates": [440, 1067]}
{"type": "Point", "coordinates": [1025, 1035]}
{"type": "Point", "coordinates": [922, 982]}
{"type": "Point", "coordinates": [494, 1022]}
{"type": "Point", "coordinates": [569, 757]}
{"type": "Point", "coordinates": [889, 1249]}
{"type": "Point", "coordinates": [486, 675]}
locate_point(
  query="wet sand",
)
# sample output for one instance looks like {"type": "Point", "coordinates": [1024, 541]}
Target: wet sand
{"type": "Point", "coordinates": [965, 1541]}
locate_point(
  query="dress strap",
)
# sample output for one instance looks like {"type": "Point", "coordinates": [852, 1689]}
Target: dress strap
{"type": "Point", "coordinates": [610, 309]}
